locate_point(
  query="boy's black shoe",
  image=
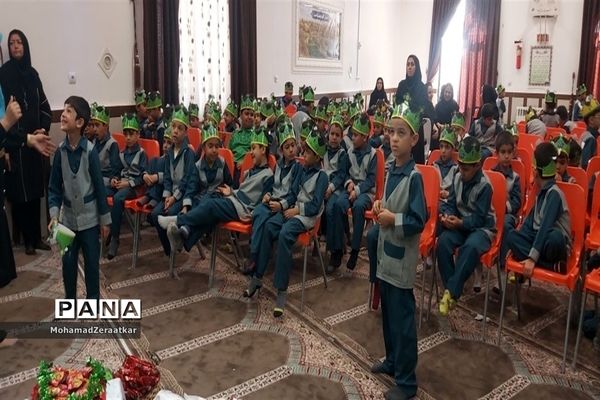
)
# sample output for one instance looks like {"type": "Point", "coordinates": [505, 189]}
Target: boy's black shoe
{"type": "Point", "coordinates": [351, 264]}
{"type": "Point", "coordinates": [335, 260]}
{"type": "Point", "coordinates": [41, 245]}
{"type": "Point", "coordinates": [395, 393]}
{"type": "Point", "coordinates": [249, 267]}
{"type": "Point", "coordinates": [380, 368]}
{"type": "Point", "coordinates": [30, 250]}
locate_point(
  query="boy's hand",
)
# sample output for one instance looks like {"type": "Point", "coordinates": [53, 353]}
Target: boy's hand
{"type": "Point", "coordinates": [246, 219]}
{"type": "Point", "coordinates": [291, 212]}
{"type": "Point", "coordinates": [377, 207]}
{"type": "Point", "coordinates": [184, 210]}
{"type": "Point", "coordinates": [114, 182]}
{"type": "Point", "coordinates": [444, 194]}
{"type": "Point", "coordinates": [266, 198]}
{"type": "Point", "coordinates": [104, 231]}
{"type": "Point", "coordinates": [275, 206]}
{"type": "Point", "coordinates": [386, 218]}
{"type": "Point", "coordinates": [225, 190]}
{"type": "Point", "coordinates": [147, 180]}
{"type": "Point", "coordinates": [352, 196]}
{"type": "Point", "coordinates": [528, 266]}
{"type": "Point", "coordinates": [53, 222]}
{"type": "Point", "coordinates": [454, 222]}
{"type": "Point", "coordinates": [350, 187]}
{"type": "Point", "coordinates": [169, 201]}
{"type": "Point", "coordinates": [328, 193]}
{"type": "Point", "coordinates": [122, 184]}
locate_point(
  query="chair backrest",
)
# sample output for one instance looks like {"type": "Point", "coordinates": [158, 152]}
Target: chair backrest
{"type": "Point", "coordinates": [577, 132]}
{"type": "Point", "coordinates": [290, 110]}
{"type": "Point", "coordinates": [594, 217]}
{"type": "Point", "coordinates": [435, 155]}
{"type": "Point", "coordinates": [581, 124]}
{"type": "Point", "coordinates": [573, 194]}
{"type": "Point", "coordinates": [581, 178]}
{"type": "Point", "coordinates": [522, 127]}
{"type": "Point", "coordinates": [248, 162]}
{"type": "Point", "coordinates": [518, 167]}
{"type": "Point", "coordinates": [552, 132]}
{"type": "Point", "coordinates": [593, 167]}
{"type": "Point", "coordinates": [498, 183]}
{"type": "Point", "coordinates": [525, 157]}
{"type": "Point", "coordinates": [151, 148]}
{"type": "Point", "coordinates": [194, 137]}
{"type": "Point", "coordinates": [225, 138]}
{"type": "Point", "coordinates": [120, 139]}
{"type": "Point", "coordinates": [431, 185]}
{"type": "Point", "coordinates": [529, 142]}
{"type": "Point", "coordinates": [379, 174]}
{"type": "Point", "coordinates": [228, 157]}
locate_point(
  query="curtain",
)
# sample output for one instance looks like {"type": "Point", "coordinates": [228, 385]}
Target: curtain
{"type": "Point", "coordinates": [443, 10]}
{"type": "Point", "coordinates": [588, 59]}
{"type": "Point", "coordinates": [480, 55]}
{"type": "Point", "coordinates": [161, 48]}
{"type": "Point", "coordinates": [204, 38]}
{"type": "Point", "coordinates": [242, 23]}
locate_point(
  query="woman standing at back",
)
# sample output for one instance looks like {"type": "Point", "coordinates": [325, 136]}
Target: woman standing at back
{"type": "Point", "coordinates": [25, 175]}
{"type": "Point", "coordinates": [444, 109]}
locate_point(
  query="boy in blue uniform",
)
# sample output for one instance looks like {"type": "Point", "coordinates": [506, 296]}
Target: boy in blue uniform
{"type": "Point", "coordinates": [358, 195]}
{"type": "Point", "coordinates": [106, 147]}
{"type": "Point", "coordinates": [468, 223]}
{"type": "Point", "coordinates": [154, 127]}
{"type": "Point", "coordinates": [381, 138]}
{"type": "Point", "coordinates": [485, 130]}
{"type": "Point", "coordinates": [178, 168]}
{"type": "Point", "coordinates": [231, 205]}
{"type": "Point", "coordinates": [563, 147]}
{"type": "Point", "coordinates": [194, 111]}
{"type": "Point", "coordinates": [154, 175]}
{"type": "Point", "coordinates": [591, 117]}
{"type": "Point", "coordinates": [210, 173]}
{"type": "Point", "coordinates": [445, 164]}
{"type": "Point", "coordinates": [307, 195]}
{"type": "Point", "coordinates": [544, 238]}
{"type": "Point", "coordinates": [140, 107]}
{"type": "Point", "coordinates": [458, 125]}
{"type": "Point", "coordinates": [230, 117]}
{"type": "Point", "coordinates": [76, 185]}
{"type": "Point", "coordinates": [280, 198]}
{"type": "Point", "coordinates": [393, 245]}
{"type": "Point", "coordinates": [133, 163]}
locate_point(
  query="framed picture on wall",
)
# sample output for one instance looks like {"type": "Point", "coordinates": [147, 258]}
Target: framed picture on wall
{"type": "Point", "coordinates": [317, 37]}
{"type": "Point", "coordinates": [540, 65]}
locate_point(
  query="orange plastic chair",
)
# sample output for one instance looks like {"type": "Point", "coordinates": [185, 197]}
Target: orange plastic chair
{"type": "Point", "coordinates": [435, 155]}
{"type": "Point", "coordinates": [491, 257]}
{"type": "Point", "coordinates": [248, 162]}
{"type": "Point", "coordinates": [552, 132]}
{"type": "Point", "coordinates": [591, 284]}
{"type": "Point", "coordinates": [577, 132]}
{"type": "Point", "coordinates": [225, 138]}
{"type": "Point", "coordinates": [573, 194]}
{"type": "Point", "coordinates": [518, 167]}
{"type": "Point", "coordinates": [581, 124]}
{"type": "Point", "coordinates": [290, 110]}
{"type": "Point", "coordinates": [580, 176]}
{"type": "Point", "coordinates": [228, 157]}
{"type": "Point", "coordinates": [529, 142]}
{"type": "Point", "coordinates": [592, 240]}
{"type": "Point", "coordinates": [120, 139]}
{"type": "Point", "coordinates": [593, 167]}
{"type": "Point", "coordinates": [522, 127]}
{"type": "Point", "coordinates": [194, 137]}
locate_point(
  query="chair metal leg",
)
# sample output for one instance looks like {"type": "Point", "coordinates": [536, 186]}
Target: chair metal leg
{"type": "Point", "coordinates": [236, 251]}
{"type": "Point", "coordinates": [485, 304]}
{"type": "Point", "coordinates": [566, 345]}
{"type": "Point", "coordinates": [433, 283]}
{"type": "Point", "coordinates": [579, 328]}
{"type": "Point", "coordinates": [502, 303]}
{"type": "Point", "coordinates": [136, 238]}
{"type": "Point", "coordinates": [518, 297]}
{"type": "Point", "coordinates": [322, 263]}
{"type": "Point", "coordinates": [172, 270]}
{"type": "Point", "coordinates": [369, 305]}
{"type": "Point", "coordinates": [200, 251]}
{"type": "Point", "coordinates": [304, 278]}
{"type": "Point", "coordinates": [422, 301]}
{"type": "Point", "coordinates": [213, 259]}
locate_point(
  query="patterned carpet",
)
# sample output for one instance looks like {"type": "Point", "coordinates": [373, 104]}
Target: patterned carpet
{"type": "Point", "coordinates": [216, 344]}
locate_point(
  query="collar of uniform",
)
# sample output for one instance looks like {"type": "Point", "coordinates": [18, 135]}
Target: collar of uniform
{"type": "Point", "coordinates": [551, 182]}
{"type": "Point", "coordinates": [311, 170]}
{"type": "Point", "coordinates": [363, 150]}
{"type": "Point", "coordinates": [204, 163]}
{"type": "Point", "coordinates": [106, 137]}
{"type": "Point", "coordinates": [283, 165]}
{"type": "Point", "coordinates": [405, 169]}
{"type": "Point", "coordinates": [134, 149]}
{"type": "Point", "coordinates": [565, 176]}
{"type": "Point", "coordinates": [81, 145]}
{"type": "Point", "coordinates": [331, 151]}
{"type": "Point", "coordinates": [475, 178]}
{"type": "Point", "coordinates": [507, 172]}
{"type": "Point", "coordinates": [446, 163]}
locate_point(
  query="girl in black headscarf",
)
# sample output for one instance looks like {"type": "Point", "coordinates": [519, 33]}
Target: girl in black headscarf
{"type": "Point", "coordinates": [378, 93]}
{"type": "Point", "coordinates": [412, 87]}
{"type": "Point", "coordinates": [25, 179]}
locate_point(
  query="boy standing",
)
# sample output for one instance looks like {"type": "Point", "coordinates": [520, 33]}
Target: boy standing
{"type": "Point", "coordinates": [393, 252]}
{"type": "Point", "coordinates": [76, 185]}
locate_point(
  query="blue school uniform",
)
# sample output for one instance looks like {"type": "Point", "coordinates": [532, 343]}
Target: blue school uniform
{"type": "Point", "coordinates": [178, 170]}
{"type": "Point", "coordinates": [203, 184]}
{"type": "Point", "coordinates": [472, 202]}
{"type": "Point", "coordinates": [154, 131]}
{"type": "Point", "coordinates": [108, 153]}
{"type": "Point", "coordinates": [76, 185]}
{"type": "Point", "coordinates": [393, 254]}
{"type": "Point", "coordinates": [283, 180]}
{"type": "Point", "coordinates": [545, 235]}
{"type": "Point", "coordinates": [377, 142]}
{"type": "Point", "coordinates": [588, 146]}
{"type": "Point", "coordinates": [307, 193]}
{"type": "Point", "coordinates": [156, 166]}
{"type": "Point", "coordinates": [133, 162]}
{"type": "Point", "coordinates": [447, 171]}
{"type": "Point", "coordinates": [486, 136]}
{"type": "Point", "coordinates": [513, 203]}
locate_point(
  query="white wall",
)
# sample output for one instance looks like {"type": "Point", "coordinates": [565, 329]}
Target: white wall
{"type": "Point", "coordinates": [385, 42]}
{"type": "Point", "coordinates": [565, 36]}
{"type": "Point", "coordinates": [70, 36]}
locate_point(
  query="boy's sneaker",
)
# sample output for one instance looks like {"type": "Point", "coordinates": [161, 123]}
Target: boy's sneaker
{"type": "Point", "coordinates": [447, 303]}
{"type": "Point", "coordinates": [174, 237]}
{"type": "Point", "coordinates": [164, 221]}
{"type": "Point", "coordinates": [335, 260]}
{"type": "Point", "coordinates": [184, 232]}
{"type": "Point", "coordinates": [280, 303]}
{"type": "Point", "coordinates": [113, 247]}
{"type": "Point", "coordinates": [351, 264]}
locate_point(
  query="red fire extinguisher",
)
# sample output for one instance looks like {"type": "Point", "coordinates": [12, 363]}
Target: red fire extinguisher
{"type": "Point", "coordinates": [519, 55]}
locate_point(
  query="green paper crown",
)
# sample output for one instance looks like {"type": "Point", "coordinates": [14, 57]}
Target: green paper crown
{"type": "Point", "coordinates": [247, 103]}
{"type": "Point", "coordinates": [140, 97]}
{"type": "Point", "coordinates": [547, 171]}
{"type": "Point", "coordinates": [194, 110]}
{"type": "Point", "coordinates": [379, 118]}
{"type": "Point", "coordinates": [513, 129]}
{"type": "Point", "coordinates": [289, 86]}
{"type": "Point", "coordinates": [531, 114]}
{"type": "Point", "coordinates": [267, 108]}
{"type": "Point", "coordinates": [316, 143]}
{"type": "Point", "coordinates": [99, 113]}
{"type": "Point", "coordinates": [181, 115]}
{"type": "Point", "coordinates": [168, 132]}
{"type": "Point", "coordinates": [344, 107]}
{"type": "Point", "coordinates": [307, 127]}
{"type": "Point", "coordinates": [359, 99]}
{"type": "Point", "coordinates": [469, 151]}
{"type": "Point", "coordinates": [260, 137]}
{"type": "Point", "coordinates": [550, 98]}
{"type": "Point", "coordinates": [321, 113]}
{"type": "Point", "coordinates": [581, 89]}
{"type": "Point", "coordinates": [589, 106]}
{"type": "Point", "coordinates": [353, 110]}
{"type": "Point", "coordinates": [562, 145]}
{"type": "Point", "coordinates": [214, 113]}
{"type": "Point", "coordinates": [332, 108]}
{"type": "Point", "coordinates": [500, 89]}
{"type": "Point", "coordinates": [154, 100]}
{"type": "Point", "coordinates": [458, 120]}
{"type": "Point", "coordinates": [130, 121]}
{"type": "Point", "coordinates": [362, 125]}
{"type": "Point", "coordinates": [285, 131]}
{"type": "Point", "coordinates": [336, 119]}
{"type": "Point", "coordinates": [449, 136]}
{"type": "Point", "coordinates": [209, 132]}
{"type": "Point", "coordinates": [412, 118]}
{"type": "Point", "coordinates": [232, 108]}
{"type": "Point", "coordinates": [307, 94]}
